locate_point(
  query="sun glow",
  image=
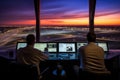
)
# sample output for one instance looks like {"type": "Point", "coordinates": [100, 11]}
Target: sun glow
{"type": "Point", "coordinates": [113, 19]}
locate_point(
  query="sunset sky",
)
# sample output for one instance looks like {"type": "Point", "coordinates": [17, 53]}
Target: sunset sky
{"type": "Point", "coordinates": [59, 12]}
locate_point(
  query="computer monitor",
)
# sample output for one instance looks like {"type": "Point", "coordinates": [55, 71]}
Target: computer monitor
{"type": "Point", "coordinates": [52, 47]}
{"type": "Point", "coordinates": [21, 45]}
{"type": "Point", "coordinates": [39, 46]}
{"type": "Point", "coordinates": [104, 45]}
{"type": "Point", "coordinates": [67, 56]}
{"type": "Point", "coordinates": [53, 56]}
{"type": "Point", "coordinates": [67, 51]}
{"type": "Point", "coordinates": [80, 44]}
{"type": "Point", "coordinates": [66, 47]}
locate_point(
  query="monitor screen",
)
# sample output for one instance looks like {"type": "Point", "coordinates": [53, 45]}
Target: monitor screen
{"type": "Point", "coordinates": [66, 47]}
{"type": "Point", "coordinates": [53, 56]}
{"type": "Point", "coordinates": [39, 46]}
{"type": "Point", "coordinates": [80, 44]}
{"type": "Point", "coordinates": [21, 45]}
{"type": "Point", "coordinates": [52, 47]}
{"type": "Point", "coordinates": [67, 56]}
{"type": "Point", "coordinates": [103, 45]}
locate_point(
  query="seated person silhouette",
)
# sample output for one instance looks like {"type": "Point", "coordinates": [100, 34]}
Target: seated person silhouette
{"type": "Point", "coordinates": [29, 55]}
{"type": "Point", "coordinates": [92, 60]}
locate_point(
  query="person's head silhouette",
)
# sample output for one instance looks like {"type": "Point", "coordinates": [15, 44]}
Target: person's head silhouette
{"type": "Point", "coordinates": [91, 37]}
{"type": "Point", "coordinates": [30, 39]}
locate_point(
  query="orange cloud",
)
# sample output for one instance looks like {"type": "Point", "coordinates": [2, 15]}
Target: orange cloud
{"type": "Point", "coordinates": [113, 19]}
{"type": "Point", "coordinates": [75, 21]}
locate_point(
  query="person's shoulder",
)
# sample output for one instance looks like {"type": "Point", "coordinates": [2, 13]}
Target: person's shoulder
{"type": "Point", "coordinates": [100, 48]}
{"type": "Point", "coordinates": [82, 47]}
{"type": "Point", "coordinates": [20, 50]}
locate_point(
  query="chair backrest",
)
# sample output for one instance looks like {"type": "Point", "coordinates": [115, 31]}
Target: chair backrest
{"type": "Point", "coordinates": [23, 72]}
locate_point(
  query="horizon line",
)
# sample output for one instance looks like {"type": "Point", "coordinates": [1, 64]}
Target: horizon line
{"type": "Point", "coordinates": [50, 25]}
